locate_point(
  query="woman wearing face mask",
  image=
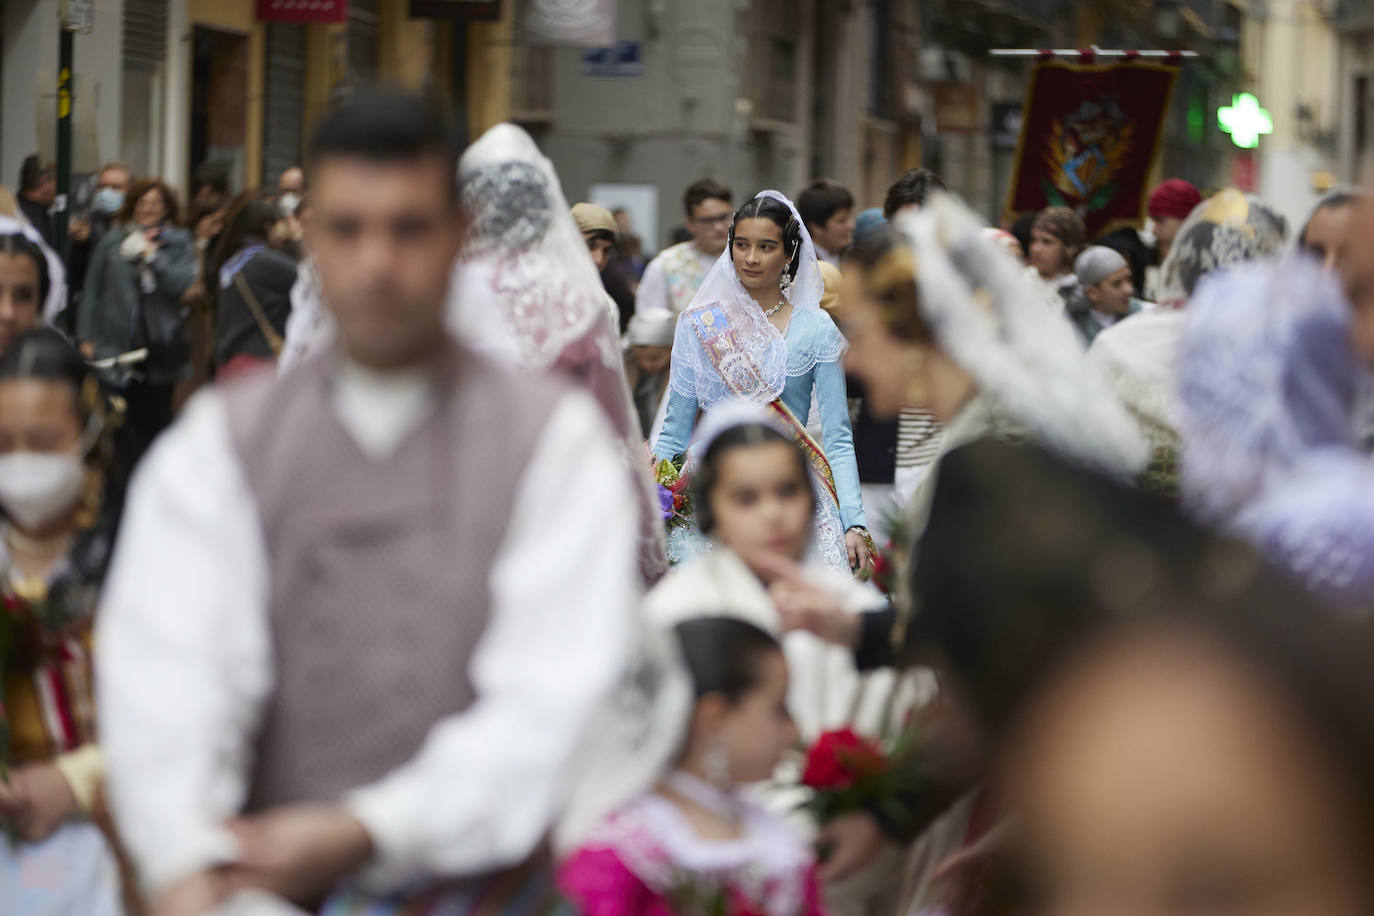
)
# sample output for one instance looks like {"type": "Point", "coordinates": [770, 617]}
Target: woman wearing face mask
{"type": "Point", "coordinates": [55, 540]}
{"type": "Point", "coordinates": [137, 277]}
{"type": "Point", "coordinates": [252, 278]}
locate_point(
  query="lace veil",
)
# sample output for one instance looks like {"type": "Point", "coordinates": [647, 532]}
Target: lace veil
{"type": "Point", "coordinates": [1265, 376]}
{"type": "Point", "coordinates": [1227, 228]}
{"type": "Point", "coordinates": [986, 315]}
{"type": "Point", "coordinates": [693, 374]}
{"type": "Point", "coordinates": [1268, 387]}
{"type": "Point", "coordinates": [525, 264]}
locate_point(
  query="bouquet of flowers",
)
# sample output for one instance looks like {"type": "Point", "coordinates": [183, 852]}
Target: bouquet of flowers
{"type": "Point", "coordinates": [674, 495]}
{"type": "Point", "coordinates": [705, 898]}
{"type": "Point", "coordinates": [847, 772]}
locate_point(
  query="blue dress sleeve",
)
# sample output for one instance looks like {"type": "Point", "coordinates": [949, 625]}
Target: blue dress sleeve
{"type": "Point", "coordinates": [838, 441]}
{"type": "Point", "coordinates": [678, 422]}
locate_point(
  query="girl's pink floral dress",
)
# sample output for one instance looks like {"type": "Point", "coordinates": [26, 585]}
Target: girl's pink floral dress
{"type": "Point", "coordinates": [645, 860]}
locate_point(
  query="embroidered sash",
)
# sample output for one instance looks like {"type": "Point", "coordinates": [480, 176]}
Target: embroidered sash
{"type": "Point", "coordinates": [744, 378]}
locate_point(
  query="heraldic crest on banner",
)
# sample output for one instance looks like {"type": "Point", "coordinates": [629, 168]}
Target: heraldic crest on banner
{"type": "Point", "coordinates": [1085, 154]}
{"type": "Point", "coordinates": [1090, 134]}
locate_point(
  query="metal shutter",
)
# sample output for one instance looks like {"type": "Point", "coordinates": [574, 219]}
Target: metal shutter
{"type": "Point", "coordinates": [144, 34]}
{"type": "Point", "coordinates": [362, 41]}
{"type": "Point", "coordinates": [284, 100]}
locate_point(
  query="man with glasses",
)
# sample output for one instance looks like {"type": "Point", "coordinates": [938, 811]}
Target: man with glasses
{"type": "Point", "coordinates": [672, 279]}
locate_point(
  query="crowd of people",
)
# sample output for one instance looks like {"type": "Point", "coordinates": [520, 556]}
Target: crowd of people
{"type": "Point", "coordinates": [402, 540]}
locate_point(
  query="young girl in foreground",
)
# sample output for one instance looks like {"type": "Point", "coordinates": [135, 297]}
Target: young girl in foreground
{"type": "Point", "coordinates": [695, 844]}
{"type": "Point", "coordinates": [753, 497]}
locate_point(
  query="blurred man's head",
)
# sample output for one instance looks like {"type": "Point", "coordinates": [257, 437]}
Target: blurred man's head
{"type": "Point", "coordinates": [651, 336]}
{"type": "Point", "coordinates": [210, 185]}
{"type": "Point", "coordinates": [827, 208]}
{"type": "Point", "coordinates": [1170, 204]}
{"type": "Point", "coordinates": [598, 228]}
{"type": "Point", "coordinates": [384, 223]}
{"type": "Point", "coordinates": [292, 181]}
{"type": "Point", "coordinates": [290, 190]}
{"type": "Point", "coordinates": [1106, 279]}
{"type": "Point", "coordinates": [910, 191]}
{"type": "Point", "coordinates": [37, 182]}
{"type": "Point", "coordinates": [709, 209]}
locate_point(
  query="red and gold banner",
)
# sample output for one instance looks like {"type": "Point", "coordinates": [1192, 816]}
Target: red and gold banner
{"type": "Point", "coordinates": [1090, 134]}
{"type": "Point", "coordinates": [302, 10]}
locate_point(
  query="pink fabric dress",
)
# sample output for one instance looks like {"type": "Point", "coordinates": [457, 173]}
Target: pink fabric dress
{"type": "Point", "coordinates": [645, 860]}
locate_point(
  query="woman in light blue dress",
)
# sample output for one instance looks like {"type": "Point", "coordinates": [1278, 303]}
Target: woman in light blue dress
{"type": "Point", "coordinates": [755, 330]}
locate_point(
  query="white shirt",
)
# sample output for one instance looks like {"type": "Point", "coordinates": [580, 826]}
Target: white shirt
{"type": "Point", "coordinates": [185, 655]}
{"type": "Point", "coordinates": [653, 286]}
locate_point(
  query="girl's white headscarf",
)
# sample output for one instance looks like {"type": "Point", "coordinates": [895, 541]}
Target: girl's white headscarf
{"type": "Point", "coordinates": [56, 299]}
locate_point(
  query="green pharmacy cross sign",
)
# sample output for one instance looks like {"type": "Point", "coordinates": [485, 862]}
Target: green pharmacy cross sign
{"type": "Point", "coordinates": [1245, 120]}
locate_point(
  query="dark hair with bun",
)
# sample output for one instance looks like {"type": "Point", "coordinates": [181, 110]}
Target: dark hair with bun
{"type": "Point", "coordinates": [771, 208]}
{"type": "Point", "coordinates": [707, 474]}
{"type": "Point", "coordinates": [722, 654]}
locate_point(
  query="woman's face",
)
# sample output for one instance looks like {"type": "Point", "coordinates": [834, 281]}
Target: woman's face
{"type": "Point", "coordinates": [762, 501]}
{"type": "Point", "coordinates": [37, 415]}
{"type": "Point", "coordinates": [19, 305]}
{"type": "Point", "coordinates": [758, 729]}
{"type": "Point", "coordinates": [1047, 254]}
{"type": "Point", "coordinates": [896, 373]}
{"type": "Point", "coordinates": [1163, 778]}
{"type": "Point", "coordinates": [876, 356]}
{"type": "Point", "coordinates": [758, 254]}
{"type": "Point", "coordinates": [150, 209]}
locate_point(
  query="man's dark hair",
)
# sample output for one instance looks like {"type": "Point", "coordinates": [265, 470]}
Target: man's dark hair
{"type": "Point", "coordinates": [701, 191]}
{"type": "Point", "coordinates": [822, 199]}
{"type": "Point", "coordinates": [912, 188]}
{"type": "Point", "coordinates": [212, 175]}
{"type": "Point", "coordinates": [387, 125]}
{"type": "Point", "coordinates": [32, 173]}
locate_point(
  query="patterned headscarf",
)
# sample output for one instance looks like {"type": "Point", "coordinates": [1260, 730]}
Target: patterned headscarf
{"type": "Point", "coordinates": [1228, 228]}
{"type": "Point", "coordinates": [1268, 384]}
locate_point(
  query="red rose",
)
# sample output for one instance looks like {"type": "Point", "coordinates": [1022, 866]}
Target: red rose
{"type": "Point", "coordinates": [679, 501]}
{"type": "Point", "coordinates": [838, 759]}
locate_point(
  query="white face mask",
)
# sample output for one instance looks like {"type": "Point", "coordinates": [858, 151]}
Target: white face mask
{"type": "Point", "coordinates": [288, 203]}
{"type": "Point", "coordinates": [37, 487]}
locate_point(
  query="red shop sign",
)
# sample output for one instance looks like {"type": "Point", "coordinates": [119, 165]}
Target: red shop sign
{"type": "Point", "coordinates": [302, 10]}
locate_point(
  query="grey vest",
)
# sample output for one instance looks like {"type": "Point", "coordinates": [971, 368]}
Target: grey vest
{"type": "Point", "coordinates": [379, 568]}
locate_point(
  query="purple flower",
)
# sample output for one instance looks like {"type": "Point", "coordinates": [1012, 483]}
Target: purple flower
{"type": "Point", "coordinates": [665, 501]}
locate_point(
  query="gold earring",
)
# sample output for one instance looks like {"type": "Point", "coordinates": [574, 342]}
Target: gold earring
{"type": "Point", "coordinates": [913, 362]}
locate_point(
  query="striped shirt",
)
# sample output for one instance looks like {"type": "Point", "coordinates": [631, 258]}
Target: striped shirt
{"type": "Point", "coordinates": [918, 438]}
